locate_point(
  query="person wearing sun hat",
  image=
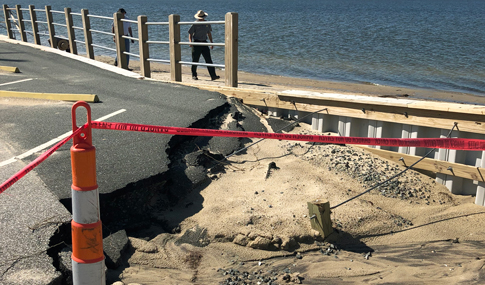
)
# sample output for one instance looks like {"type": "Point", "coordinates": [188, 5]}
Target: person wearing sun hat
{"type": "Point", "coordinates": [200, 33]}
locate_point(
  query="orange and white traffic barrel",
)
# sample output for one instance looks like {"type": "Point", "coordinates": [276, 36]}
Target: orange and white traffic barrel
{"type": "Point", "coordinates": [87, 238]}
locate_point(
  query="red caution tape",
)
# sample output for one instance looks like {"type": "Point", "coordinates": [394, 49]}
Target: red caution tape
{"type": "Point", "coordinates": [447, 143]}
{"type": "Point", "coordinates": [12, 180]}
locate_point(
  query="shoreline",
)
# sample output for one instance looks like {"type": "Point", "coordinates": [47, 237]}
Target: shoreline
{"type": "Point", "coordinates": [276, 83]}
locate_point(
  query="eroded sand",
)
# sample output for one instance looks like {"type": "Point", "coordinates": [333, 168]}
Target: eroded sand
{"type": "Point", "coordinates": [254, 227]}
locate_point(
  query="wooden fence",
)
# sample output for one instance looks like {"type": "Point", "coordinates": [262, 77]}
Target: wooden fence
{"type": "Point", "coordinates": [230, 44]}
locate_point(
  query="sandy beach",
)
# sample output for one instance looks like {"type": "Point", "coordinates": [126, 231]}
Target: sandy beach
{"type": "Point", "coordinates": [246, 80]}
{"type": "Point", "coordinates": [254, 225]}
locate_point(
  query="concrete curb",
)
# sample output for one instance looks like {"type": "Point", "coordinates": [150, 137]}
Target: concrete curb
{"type": "Point", "coordinates": [80, 58]}
{"type": "Point", "coordinates": [12, 69]}
{"type": "Point", "coordinates": [90, 98]}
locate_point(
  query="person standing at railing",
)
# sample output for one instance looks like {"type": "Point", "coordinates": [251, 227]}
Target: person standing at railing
{"type": "Point", "coordinates": [126, 32]}
{"type": "Point", "coordinates": [200, 33]}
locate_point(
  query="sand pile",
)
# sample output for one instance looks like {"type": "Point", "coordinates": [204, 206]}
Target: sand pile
{"type": "Point", "coordinates": [253, 223]}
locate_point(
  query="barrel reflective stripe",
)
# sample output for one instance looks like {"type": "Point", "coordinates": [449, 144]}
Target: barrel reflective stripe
{"type": "Point", "coordinates": [85, 206]}
{"type": "Point", "coordinates": [87, 242]}
{"type": "Point", "coordinates": [83, 162]}
{"type": "Point", "coordinates": [88, 273]}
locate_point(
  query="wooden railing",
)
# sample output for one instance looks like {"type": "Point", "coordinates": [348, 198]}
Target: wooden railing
{"type": "Point", "coordinates": [230, 44]}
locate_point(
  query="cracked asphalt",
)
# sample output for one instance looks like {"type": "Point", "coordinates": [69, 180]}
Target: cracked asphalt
{"type": "Point", "coordinates": [30, 210]}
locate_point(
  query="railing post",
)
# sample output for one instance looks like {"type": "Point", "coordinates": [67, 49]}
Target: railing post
{"type": "Point", "coordinates": [21, 24]}
{"type": "Point", "coordinates": [50, 25]}
{"type": "Point", "coordinates": [175, 51]}
{"type": "Point", "coordinates": [35, 26]}
{"type": "Point", "coordinates": [88, 38]}
{"type": "Point", "coordinates": [142, 43]}
{"type": "Point", "coordinates": [8, 25]}
{"type": "Point", "coordinates": [480, 194]}
{"type": "Point", "coordinates": [86, 228]}
{"type": "Point", "coordinates": [120, 41]}
{"type": "Point", "coordinates": [231, 49]}
{"type": "Point", "coordinates": [70, 31]}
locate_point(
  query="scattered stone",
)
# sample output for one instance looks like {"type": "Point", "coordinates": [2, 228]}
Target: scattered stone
{"type": "Point", "coordinates": [241, 240]}
{"type": "Point", "coordinates": [260, 243]}
{"type": "Point", "coordinates": [115, 246]}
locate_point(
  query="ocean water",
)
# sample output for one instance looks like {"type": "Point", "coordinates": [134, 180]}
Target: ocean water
{"type": "Point", "coordinates": [435, 44]}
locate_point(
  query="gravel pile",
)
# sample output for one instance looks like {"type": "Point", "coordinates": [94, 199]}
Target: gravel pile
{"type": "Point", "coordinates": [267, 277]}
{"type": "Point", "coordinates": [368, 170]}
{"type": "Point", "coordinates": [272, 275]}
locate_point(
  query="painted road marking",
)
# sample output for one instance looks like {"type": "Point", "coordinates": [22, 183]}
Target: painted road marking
{"type": "Point", "coordinates": [18, 81]}
{"type": "Point", "coordinates": [51, 142]}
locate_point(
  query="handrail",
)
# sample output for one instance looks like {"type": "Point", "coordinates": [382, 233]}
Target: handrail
{"type": "Point", "coordinates": [132, 54]}
{"type": "Point", "coordinates": [129, 21]}
{"type": "Point", "coordinates": [57, 24]}
{"type": "Point", "coordinates": [202, 23]}
{"type": "Point", "coordinates": [144, 42]}
{"type": "Point", "coordinates": [101, 32]}
{"type": "Point", "coordinates": [157, 42]}
{"type": "Point", "coordinates": [159, 60]}
{"type": "Point", "coordinates": [130, 38]}
{"type": "Point", "coordinates": [200, 64]}
{"type": "Point", "coordinates": [100, 17]}
{"type": "Point", "coordinates": [103, 47]}
{"type": "Point", "coordinates": [201, 44]}
{"type": "Point", "coordinates": [156, 23]}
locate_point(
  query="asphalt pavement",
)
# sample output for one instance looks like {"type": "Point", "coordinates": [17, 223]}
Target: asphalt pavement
{"type": "Point", "coordinates": [120, 160]}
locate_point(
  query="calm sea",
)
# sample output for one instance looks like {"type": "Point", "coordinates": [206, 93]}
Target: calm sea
{"type": "Point", "coordinates": [437, 44]}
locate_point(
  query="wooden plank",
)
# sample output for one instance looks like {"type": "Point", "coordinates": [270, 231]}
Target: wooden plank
{"type": "Point", "coordinates": [143, 46]}
{"type": "Point", "coordinates": [70, 30]}
{"type": "Point", "coordinates": [8, 25]}
{"type": "Point", "coordinates": [50, 25]}
{"type": "Point", "coordinates": [373, 100]}
{"type": "Point", "coordinates": [175, 49]}
{"type": "Point", "coordinates": [319, 212]}
{"type": "Point", "coordinates": [433, 165]}
{"type": "Point", "coordinates": [231, 49]}
{"type": "Point", "coordinates": [88, 37]}
{"type": "Point", "coordinates": [20, 24]}
{"type": "Point", "coordinates": [419, 117]}
{"type": "Point", "coordinates": [35, 26]}
{"type": "Point", "coordinates": [120, 41]}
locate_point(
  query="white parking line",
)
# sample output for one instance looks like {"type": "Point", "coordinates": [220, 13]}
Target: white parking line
{"type": "Point", "coordinates": [18, 81]}
{"type": "Point", "coordinates": [51, 142]}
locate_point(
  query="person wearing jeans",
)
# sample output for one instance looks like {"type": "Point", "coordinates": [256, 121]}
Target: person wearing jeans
{"type": "Point", "coordinates": [126, 32]}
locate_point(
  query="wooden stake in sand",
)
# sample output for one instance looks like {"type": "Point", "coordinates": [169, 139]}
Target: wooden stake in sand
{"type": "Point", "coordinates": [319, 211]}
